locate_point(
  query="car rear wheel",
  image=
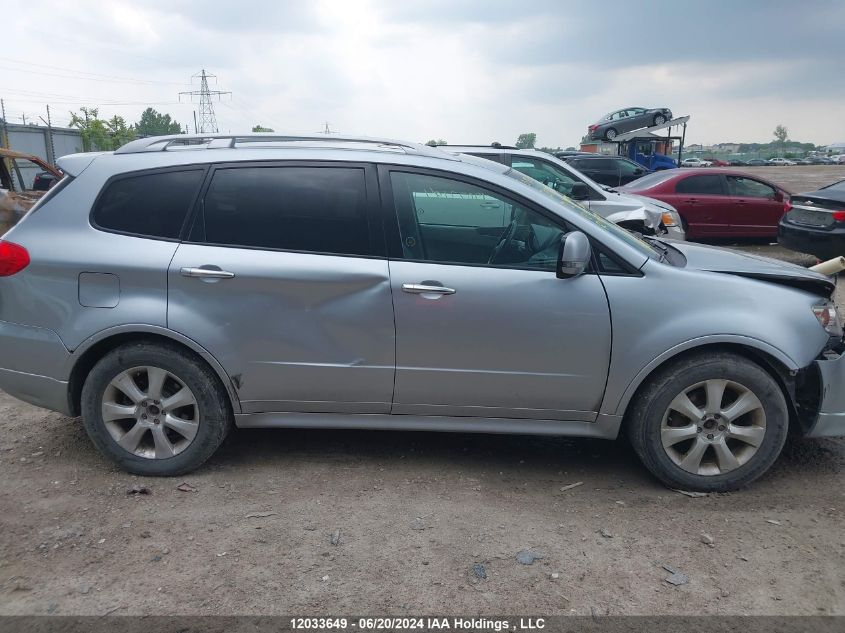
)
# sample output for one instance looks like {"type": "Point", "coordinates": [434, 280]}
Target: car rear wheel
{"type": "Point", "coordinates": [712, 422]}
{"type": "Point", "coordinates": [659, 119]}
{"type": "Point", "coordinates": [610, 133]}
{"type": "Point", "coordinates": [155, 409]}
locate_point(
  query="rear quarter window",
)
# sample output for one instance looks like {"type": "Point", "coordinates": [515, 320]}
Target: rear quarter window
{"type": "Point", "coordinates": [148, 205]}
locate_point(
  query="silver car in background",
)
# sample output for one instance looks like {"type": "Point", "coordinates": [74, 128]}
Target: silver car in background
{"type": "Point", "coordinates": [630, 211]}
{"type": "Point", "coordinates": [183, 285]}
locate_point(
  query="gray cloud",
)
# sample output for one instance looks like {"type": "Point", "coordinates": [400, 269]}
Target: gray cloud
{"type": "Point", "coordinates": [470, 71]}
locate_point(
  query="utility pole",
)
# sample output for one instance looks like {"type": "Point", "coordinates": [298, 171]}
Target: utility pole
{"type": "Point", "coordinates": [51, 148]}
{"type": "Point", "coordinates": [208, 122]}
{"type": "Point", "coordinates": [195, 121]}
{"type": "Point", "coordinates": [5, 139]}
{"type": "Point", "coordinates": [23, 117]}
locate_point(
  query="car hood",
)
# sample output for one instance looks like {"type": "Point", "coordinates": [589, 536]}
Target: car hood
{"type": "Point", "coordinates": [723, 260]}
{"type": "Point", "coordinates": [653, 202]}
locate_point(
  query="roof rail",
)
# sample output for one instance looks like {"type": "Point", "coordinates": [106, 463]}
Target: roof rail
{"type": "Point", "coordinates": [231, 141]}
{"type": "Point", "coordinates": [493, 145]}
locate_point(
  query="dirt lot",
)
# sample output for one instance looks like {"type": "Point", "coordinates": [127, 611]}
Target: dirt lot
{"type": "Point", "coordinates": [418, 518]}
{"type": "Point", "coordinates": [799, 178]}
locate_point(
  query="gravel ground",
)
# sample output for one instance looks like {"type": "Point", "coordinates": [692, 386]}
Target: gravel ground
{"type": "Point", "coordinates": [329, 522]}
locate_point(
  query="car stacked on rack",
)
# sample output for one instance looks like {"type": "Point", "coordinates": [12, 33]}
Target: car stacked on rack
{"type": "Point", "coordinates": [626, 120]}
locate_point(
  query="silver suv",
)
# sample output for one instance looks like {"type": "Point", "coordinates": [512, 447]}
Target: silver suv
{"type": "Point", "coordinates": [630, 211]}
{"type": "Point", "coordinates": [182, 285]}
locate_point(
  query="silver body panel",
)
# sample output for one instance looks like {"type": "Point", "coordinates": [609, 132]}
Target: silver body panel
{"type": "Point", "coordinates": [508, 343]}
{"type": "Point", "coordinates": [296, 331]}
{"type": "Point", "coordinates": [304, 339]}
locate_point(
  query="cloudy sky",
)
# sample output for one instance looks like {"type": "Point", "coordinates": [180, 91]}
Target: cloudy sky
{"type": "Point", "coordinates": [468, 71]}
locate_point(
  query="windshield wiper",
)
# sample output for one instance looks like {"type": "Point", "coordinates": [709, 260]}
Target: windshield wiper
{"type": "Point", "coordinates": [659, 246]}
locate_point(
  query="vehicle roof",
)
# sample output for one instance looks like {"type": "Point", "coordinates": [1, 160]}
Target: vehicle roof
{"type": "Point", "coordinates": [594, 155]}
{"type": "Point", "coordinates": [186, 149]}
{"type": "Point", "coordinates": [487, 149]}
{"type": "Point", "coordinates": [712, 171]}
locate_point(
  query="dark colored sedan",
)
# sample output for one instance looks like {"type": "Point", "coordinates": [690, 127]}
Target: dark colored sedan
{"type": "Point", "coordinates": [716, 202]}
{"type": "Point", "coordinates": [815, 222]}
{"type": "Point", "coordinates": [757, 162]}
{"type": "Point", "coordinates": [613, 171]}
{"type": "Point", "coordinates": [626, 120]}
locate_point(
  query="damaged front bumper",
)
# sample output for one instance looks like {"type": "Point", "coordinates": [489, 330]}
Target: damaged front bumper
{"type": "Point", "coordinates": [830, 418]}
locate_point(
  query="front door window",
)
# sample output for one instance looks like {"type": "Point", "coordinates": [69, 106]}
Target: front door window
{"type": "Point", "coordinates": [451, 222]}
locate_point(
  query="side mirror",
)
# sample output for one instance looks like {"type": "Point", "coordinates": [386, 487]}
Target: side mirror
{"type": "Point", "coordinates": [574, 255]}
{"type": "Point", "coordinates": [579, 191]}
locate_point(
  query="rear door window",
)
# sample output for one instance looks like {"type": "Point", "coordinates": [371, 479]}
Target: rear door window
{"type": "Point", "coordinates": [312, 209]}
{"type": "Point", "coordinates": [148, 205]}
{"type": "Point", "coordinates": [710, 185]}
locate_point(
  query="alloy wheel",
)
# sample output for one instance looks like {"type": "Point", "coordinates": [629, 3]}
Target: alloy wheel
{"type": "Point", "coordinates": [713, 427]}
{"type": "Point", "coordinates": [150, 412]}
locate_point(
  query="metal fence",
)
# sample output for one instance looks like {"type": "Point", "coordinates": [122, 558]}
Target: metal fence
{"type": "Point", "coordinates": [47, 143]}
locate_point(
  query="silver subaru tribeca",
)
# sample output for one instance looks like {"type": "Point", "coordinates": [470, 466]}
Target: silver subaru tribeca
{"type": "Point", "coordinates": [182, 285]}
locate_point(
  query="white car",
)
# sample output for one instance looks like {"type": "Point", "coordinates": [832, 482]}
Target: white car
{"type": "Point", "coordinates": [695, 162]}
{"type": "Point", "coordinates": [782, 161]}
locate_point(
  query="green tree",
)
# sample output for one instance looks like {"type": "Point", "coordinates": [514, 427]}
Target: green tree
{"type": "Point", "coordinates": [261, 128]}
{"type": "Point", "coordinates": [781, 134]}
{"type": "Point", "coordinates": [439, 141]}
{"type": "Point", "coordinates": [100, 135]}
{"type": "Point", "coordinates": [93, 130]}
{"type": "Point", "coordinates": [120, 133]}
{"type": "Point", "coordinates": [526, 141]}
{"type": "Point", "coordinates": [154, 123]}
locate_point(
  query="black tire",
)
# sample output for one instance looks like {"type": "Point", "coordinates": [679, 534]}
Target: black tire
{"type": "Point", "coordinates": [215, 416]}
{"type": "Point", "coordinates": [659, 119]}
{"type": "Point", "coordinates": [610, 134]}
{"type": "Point", "coordinates": [645, 416]}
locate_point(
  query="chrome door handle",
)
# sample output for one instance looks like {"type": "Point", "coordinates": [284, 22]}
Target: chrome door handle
{"type": "Point", "coordinates": [418, 289]}
{"type": "Point", "coordinates": [206, 273]}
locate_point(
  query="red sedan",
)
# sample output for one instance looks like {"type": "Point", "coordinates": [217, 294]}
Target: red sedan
{"type": "Point", "coordinates": [717, 202]}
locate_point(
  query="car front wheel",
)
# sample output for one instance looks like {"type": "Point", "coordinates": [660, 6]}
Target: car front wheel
{"type": "Point", "coordinates": [155, 409]}
{"type": "Point", "coordinates": [711, 422]}
{"type": "Point", "coordinates": [659, 119]}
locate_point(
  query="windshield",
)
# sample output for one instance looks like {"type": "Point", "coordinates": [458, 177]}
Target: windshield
{"type": "Point", "coordinates": [641, 245]}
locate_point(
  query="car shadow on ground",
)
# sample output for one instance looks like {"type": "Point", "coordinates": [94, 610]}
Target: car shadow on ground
{"type": "Point", "coordinates": [602, 462]}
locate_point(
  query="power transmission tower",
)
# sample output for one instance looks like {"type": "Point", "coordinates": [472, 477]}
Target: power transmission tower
{"type": "Point", "coordinates": [327, 129]}
{"type": "Point", "coordinates": [207, 120]}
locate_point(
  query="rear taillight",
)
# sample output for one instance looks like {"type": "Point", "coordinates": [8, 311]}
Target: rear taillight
{"type": "Point", "coordinates": [839, 216]}
{"type": "Point", "coordinates": [787, 204]}
{"type": "Point", "coordinates": [592, 127]}
{"type": "Point", "coordinates": [13, 258]}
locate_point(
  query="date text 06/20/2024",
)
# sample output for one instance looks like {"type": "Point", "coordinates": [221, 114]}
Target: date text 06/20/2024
{"type": "Point", "coordinates": [416, 624]}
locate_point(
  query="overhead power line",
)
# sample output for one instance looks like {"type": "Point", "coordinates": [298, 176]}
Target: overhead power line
{"type": "Point", "coordinates": [92, 76]}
